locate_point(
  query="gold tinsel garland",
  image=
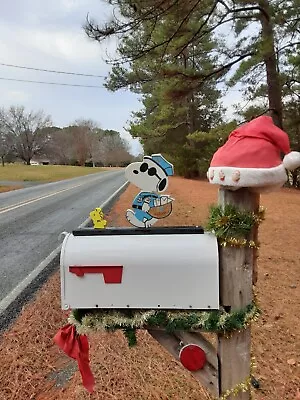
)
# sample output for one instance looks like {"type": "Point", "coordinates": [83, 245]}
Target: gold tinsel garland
{"type": "Point", "coordinates": [232, 226]}
{"type": "Point", "coordinates": [242, 386]}
{"type": "Point", "coordinates": [86, 321]}
{"type": "Point", "coordinates": [234, 242]}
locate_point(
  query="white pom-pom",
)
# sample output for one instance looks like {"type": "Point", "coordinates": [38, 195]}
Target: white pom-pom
{"type": "Point", "coordinates": [292, 160]}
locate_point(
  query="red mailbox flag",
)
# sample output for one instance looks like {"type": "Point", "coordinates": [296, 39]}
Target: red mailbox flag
{"type": "Point", "coordinates": [111, 274]}
{"type": "Point", "coordinates": [77, 347]}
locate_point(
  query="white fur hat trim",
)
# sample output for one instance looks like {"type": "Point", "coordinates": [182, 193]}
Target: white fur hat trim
{"type": "Point", "coordinates": [247, 177]}
{"type": "Point", "coordinates": [292, 160]}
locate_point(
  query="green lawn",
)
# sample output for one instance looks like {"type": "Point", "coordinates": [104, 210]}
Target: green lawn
{"type": "Point", "coordinates": [44, 173]}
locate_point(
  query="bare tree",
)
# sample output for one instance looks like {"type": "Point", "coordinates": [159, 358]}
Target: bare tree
{"type": "Point", "coordinates": [26, 131]}
{"type": "Point", "coordinates": [115, 150]}
{"type": "Point", "coordinates": [88, 139]}
{"type": "Point", "coordinates": [60, 149]}
{"type": "Point", "coordinates": [78, 143]}
{"type": "Point", "coordinates": [85, 142]}
{"type": "Point", "coordinates": [6, 143]}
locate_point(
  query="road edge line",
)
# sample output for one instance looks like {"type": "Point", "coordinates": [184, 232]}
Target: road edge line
{"type": "Point", "coordinates": [34, 279]}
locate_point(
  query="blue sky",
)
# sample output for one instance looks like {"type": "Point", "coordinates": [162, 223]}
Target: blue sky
{"type": "Point", "coordinates": [49, 35]}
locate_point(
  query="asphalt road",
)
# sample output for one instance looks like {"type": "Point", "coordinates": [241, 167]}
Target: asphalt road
{"type": "Point", "coordinates": [32, 219]}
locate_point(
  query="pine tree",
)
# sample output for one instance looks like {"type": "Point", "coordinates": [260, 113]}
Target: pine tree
{"type": "Point", "coordinates": [253, 49]}
{"type": "Point", "coordinates": [175, 101]}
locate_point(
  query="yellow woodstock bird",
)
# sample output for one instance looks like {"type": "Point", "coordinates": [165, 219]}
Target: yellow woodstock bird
{"type": "Point", "coordinates": [97, 217]}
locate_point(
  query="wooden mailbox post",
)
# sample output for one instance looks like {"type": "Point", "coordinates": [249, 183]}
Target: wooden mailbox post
{"type": "Point", "coordinates": [237, 266]}
{"type": "Point", "coordinates": [228, 364]}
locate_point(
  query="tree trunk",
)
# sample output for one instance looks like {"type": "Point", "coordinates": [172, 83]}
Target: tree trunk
{"type": "Point", "coordinates": [2, 160]}
{"type": "Point", "coordinates": [273, 80]}
{"type": "Point", "coordinates": [27, 162]}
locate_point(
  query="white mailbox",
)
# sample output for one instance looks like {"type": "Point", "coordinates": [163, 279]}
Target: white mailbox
{"type": "Point", "coordinates": [168, 268]}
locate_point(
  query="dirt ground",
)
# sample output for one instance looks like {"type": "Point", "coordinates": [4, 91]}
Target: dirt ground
{"type": "Point", "coordinates": [32, 367]}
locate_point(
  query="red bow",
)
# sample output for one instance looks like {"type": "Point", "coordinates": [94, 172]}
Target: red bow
{"type": "Point", "coordinates": [77, 347]}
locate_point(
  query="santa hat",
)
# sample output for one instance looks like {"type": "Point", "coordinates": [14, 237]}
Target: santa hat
{"type": "Point", "coordinates": [251, 157]}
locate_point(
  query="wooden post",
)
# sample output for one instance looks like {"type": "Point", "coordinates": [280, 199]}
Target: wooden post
{"type": "Point", "coordinates": [236, 277]}
{"type": "Point", "coordinates": [230, 364]}
{"type": "Point", "coordinates": [208, 376]}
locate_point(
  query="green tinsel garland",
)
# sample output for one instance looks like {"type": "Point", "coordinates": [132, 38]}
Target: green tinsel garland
{"type": "Point", "coordinates": [216, 321]}
{"type": "Point", "coordinates": [230, 223]}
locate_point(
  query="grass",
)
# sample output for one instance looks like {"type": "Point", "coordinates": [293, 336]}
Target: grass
{"type": "Point", "coordinates": [44, 173]}
{"type": "Point", "coordinates": [9, 188]}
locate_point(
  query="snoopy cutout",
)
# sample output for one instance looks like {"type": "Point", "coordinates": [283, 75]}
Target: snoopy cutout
{"type": "Point", "coordinates": [150, 175]}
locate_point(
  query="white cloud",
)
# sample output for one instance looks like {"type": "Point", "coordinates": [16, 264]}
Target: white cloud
{"type": "Point", "coordinates": [67, 45]}
{"type": "Point", "coordinates": [15, 96]}
{"type": "Point", "coordinates": [71, 4]}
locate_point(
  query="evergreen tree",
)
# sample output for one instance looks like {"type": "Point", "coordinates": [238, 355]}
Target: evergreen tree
{"type": "Point", "coordinates": [254, 47]}
{"type": "Point", "coordinates": [174, 53]}
{"type": "Point", "coordinates": [175, 104]}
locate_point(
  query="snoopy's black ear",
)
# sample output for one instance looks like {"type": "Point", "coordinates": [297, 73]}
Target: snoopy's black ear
{"type": "Point", "coordinates": [162, 184]}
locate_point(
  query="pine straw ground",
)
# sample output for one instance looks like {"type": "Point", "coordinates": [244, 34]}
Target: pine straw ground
{"type": "Point", "coordinates": [32, 367]}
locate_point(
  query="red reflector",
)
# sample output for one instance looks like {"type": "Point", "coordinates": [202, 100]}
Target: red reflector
{"type": "Point", "coordinates": [192, 357]}
{"type": "Point", "coordinates": [111, 274]}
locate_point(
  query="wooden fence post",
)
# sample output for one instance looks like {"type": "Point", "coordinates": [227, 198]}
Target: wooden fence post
{"type": "Point", "coordinates": [236, 278]}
